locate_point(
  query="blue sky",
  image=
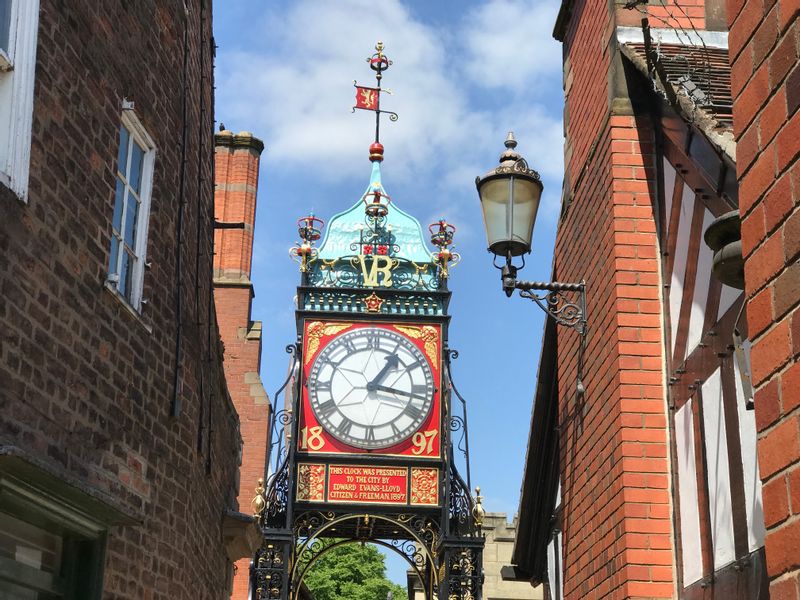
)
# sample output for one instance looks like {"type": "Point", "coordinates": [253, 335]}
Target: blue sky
{"type": "Point", "coordinates": [464, 74]}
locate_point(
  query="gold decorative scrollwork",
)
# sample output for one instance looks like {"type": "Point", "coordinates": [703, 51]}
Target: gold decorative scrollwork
{"type": "Point", "coordinates": [316, 331]}
{"type": "Point", "coordinates": [429, 335]}
{"type": "Point", "coordinates": [311, 482]}
{"type": "Point", "coordinates": [424, 486]}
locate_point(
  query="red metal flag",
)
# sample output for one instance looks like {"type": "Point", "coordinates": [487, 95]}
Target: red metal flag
{"type": "Point", "coordinates": [367, 98]}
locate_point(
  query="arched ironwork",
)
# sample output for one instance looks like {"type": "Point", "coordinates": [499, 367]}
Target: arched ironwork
{"type": "Point", "coordinates": [419, 550]}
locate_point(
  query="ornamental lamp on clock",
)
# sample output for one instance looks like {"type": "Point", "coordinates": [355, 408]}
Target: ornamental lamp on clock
{"type": "Point", "coordinates": [371, 442]}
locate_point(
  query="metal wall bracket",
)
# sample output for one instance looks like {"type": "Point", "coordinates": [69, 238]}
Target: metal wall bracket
{"type": "Point", "coordinates": [563, 302]}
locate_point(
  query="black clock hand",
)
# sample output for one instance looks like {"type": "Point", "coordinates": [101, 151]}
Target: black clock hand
{"type": "Point", "coordinates": [383, 388]}
{"type": "Point", "coordinates": [392, 362]}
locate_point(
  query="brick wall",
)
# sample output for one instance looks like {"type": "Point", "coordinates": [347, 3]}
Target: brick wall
{"type": "Point", "coordinates": [683, 14]}
{"type": "Point", "coordinates": [236, 178]}
{"type": "Point", "coordinates": [764, 48]}
{"type": "Point", "coordinates": [615, 471]}
{"type": "Point", "coordinates": [86, 383]}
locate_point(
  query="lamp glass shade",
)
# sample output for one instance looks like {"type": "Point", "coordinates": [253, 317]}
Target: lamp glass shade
{"type": "Point", "coordinates": [509, 204]}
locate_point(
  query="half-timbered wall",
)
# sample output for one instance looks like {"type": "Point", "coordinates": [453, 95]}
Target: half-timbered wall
{"type": "Point", "coordinates": [715, 471]}
{"type": "Point", "coordinates": [555, 566]}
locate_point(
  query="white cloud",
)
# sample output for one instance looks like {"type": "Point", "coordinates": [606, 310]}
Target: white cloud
{"type": "Point", "coordinates": [510, 45]}
{"type": "Point", "coordinates": [295, 91]}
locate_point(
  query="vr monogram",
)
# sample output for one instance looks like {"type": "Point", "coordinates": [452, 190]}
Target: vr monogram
{"type": "Point", "coordinates": [379, 265]}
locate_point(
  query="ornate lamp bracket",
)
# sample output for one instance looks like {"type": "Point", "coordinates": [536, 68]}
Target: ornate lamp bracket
{"type": "Point", "coordinates": [565, 303]}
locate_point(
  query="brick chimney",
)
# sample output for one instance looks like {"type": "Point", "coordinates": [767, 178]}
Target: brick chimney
{"type": "Point", "coordinates": [237, 157]}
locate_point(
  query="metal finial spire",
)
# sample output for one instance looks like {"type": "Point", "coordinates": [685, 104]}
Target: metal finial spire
{"type": "Point", "coordinates": [369, 98]}
{"type": "Point", "coordinates": [510, 153]}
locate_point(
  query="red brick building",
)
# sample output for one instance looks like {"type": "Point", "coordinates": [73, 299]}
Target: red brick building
{"type": "Point", "coordinates": [236, 174]}
{"type": "Point", "coordinates": [765, 78]}
{"type": "Point", "coordinates": [651, 484]}
{"type": "Point", "coordinates": [119, 444]}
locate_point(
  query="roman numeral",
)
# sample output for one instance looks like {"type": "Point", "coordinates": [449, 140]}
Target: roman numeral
{"type": "Point", "coordinates": [345, 426]}
{"type": "Point", "coordinates": [322, 386]}
{"type": "Point", "coordinates": [333, 363]}
{"type": "Point", "coordinates": [413, 411]}
{"type": "Point", "coordinates": [374, 342]}
{"type": "Point", "coordinates": [420, 390]}
{"type": "Point", "coordinates": [349, 345]}
{"type": "Point", "coordinates": [327, 408]}
{"type": "Point", "coordinates": [370, 437]}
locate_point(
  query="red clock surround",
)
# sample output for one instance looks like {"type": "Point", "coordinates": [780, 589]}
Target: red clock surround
{"type": "Point", "coordinates": [425, 443]}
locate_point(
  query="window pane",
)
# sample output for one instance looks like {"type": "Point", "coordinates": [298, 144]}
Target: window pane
{"type": "Point", "coordinates": [119, 196]}
{"type": "Point", "coordinates": [135, 176]}
{"type": "Point", "coordinates": [122, 158]}
{"type": "Point", "coordinates": [124, 284]}
{"type": "Point", "coordinates": [112, 262]}
{"type": "Point", "coordinates": [131, 215]}
{"type": "Point", "coordinates": [5, 24]}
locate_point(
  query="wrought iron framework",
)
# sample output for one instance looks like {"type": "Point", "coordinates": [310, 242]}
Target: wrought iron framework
{"type": "Point", "coordinates": [443, 547]}
{"type": "Point", "coordinates": [346, 272]}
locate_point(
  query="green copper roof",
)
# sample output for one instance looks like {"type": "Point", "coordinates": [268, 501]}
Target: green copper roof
{"type": "Point", "coordinates": [342, 235]}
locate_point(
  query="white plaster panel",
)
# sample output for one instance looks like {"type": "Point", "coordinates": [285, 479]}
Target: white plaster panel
{"type": "Point", "coordinates": [559, 547]}
{"type": "Point", "coordinates": [701, 284]}
{"type": "Point", "coordinates": [691, 553]}
{"type": "Point", "coordinates": [727, 297]}
{"type": "Point", "coordinates": [719, 481]}
{"type": "Point", "coordinates": [752, 479]}
{"type": "Point", "coordinates": [679, 262]}
{"type": "Point", "coordinates": [669, 189]}
{"type": "Point", "coordinates": [551, 568]}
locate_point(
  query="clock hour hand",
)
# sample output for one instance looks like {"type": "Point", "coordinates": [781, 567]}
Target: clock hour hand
{"type": "Point", "coordinates": [392, 362]}
{"type": "Point", "coordinates": [383, 388]}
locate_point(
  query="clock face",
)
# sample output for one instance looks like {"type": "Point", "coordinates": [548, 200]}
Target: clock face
{"type": "Point", "coordinates": [371, 388]}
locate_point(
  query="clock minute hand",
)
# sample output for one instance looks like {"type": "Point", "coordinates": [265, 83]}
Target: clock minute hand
{"type": "Point", "coordinates": [383, 388]}
{"type": "Point", "coordinates": [392, 362]}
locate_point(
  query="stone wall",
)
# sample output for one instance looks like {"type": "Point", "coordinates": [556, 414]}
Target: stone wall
{"type": "Point", "coordinates": [500, 536]}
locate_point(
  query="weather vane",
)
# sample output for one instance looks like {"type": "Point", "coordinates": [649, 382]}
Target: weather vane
{"type": "Point", "coordinates": [369, 98]}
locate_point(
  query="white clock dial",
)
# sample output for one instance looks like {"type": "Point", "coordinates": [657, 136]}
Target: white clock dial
{"type": "Point", "coordinates": [371, 388]}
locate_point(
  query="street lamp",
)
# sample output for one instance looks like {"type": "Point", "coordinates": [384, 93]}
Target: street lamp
{"type": "Point", "coordinates": [509, 196]}
{"type": "Point", "coordinates": [510, 199]}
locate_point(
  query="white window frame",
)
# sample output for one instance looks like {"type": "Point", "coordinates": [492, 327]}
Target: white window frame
{"type": "Point", "coordinates": [138, 134]}
{"type": "Point", "coordinates": [17, 72]}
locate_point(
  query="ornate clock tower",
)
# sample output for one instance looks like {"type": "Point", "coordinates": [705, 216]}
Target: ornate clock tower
{"type": "Point", "coordinates": [368, 442]}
